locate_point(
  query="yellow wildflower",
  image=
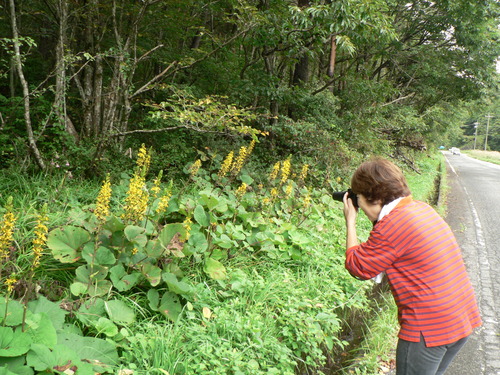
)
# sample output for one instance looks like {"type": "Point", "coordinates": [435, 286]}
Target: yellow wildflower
{"type": "Point", "coordinates": [241, 190]}
{"type": "Point", "coordinates": [307, 201]}
{"type": "Point", "coordinates": [10, 283]}
{"type": "Point", "coordinates": [275, 171]}
{"type": "Point", "coordinates": [143, 158]}
{"type": "Point", "coordinates": [187, 226]}
{"type": "Point", "coordinates": [266, 201]}
{"type": "Point", "coordinates": [163, 204]}
{"type": "Point", "coordinates": [40, 238]}
{"type": "Point", "coordinates": [274, 192]}
{"type": "Point", "coordinates": [7, 231]}
{"type": "Point", "coordinates": [285, 170]}
{"type": "Point", "coordinates": [156, 185]}
{"type": "Point", "coordinates": [195, 167]}
{"type": "Point", "coordinates": [102, 205]}
{"type": "Point", "coordinates": [240, 160]}
{"type": "Point", "coordinates": [136, 199]}
{"type": "Point", "coordinates": [250, 147]}
{"type": "Point", "coordinates": [226, 165]}
{"type": "Point", "coordinates": [303, 172]}
{"type": "Point", "coordinates": [135, 250]}
{"type": "Point", "coordinates": [289, 189]}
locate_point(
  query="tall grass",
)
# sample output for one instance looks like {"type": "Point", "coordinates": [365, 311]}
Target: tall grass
{"type": "Point", "coordinates": [271, 315]}
{"type": "Point", "coordinates": [489, 156]}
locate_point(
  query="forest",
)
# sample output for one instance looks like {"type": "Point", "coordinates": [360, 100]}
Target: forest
{"type": "Point", "coordinates": [167, 169]}
{"type": "Point", "coordinates": [324, 80]}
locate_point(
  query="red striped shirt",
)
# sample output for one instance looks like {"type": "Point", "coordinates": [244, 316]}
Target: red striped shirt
{"type": "Point", "coordinates": [420, 255]}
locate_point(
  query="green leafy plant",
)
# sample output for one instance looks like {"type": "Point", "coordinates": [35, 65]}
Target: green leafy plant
{"type": "Point", "coordinates": [37, 337]}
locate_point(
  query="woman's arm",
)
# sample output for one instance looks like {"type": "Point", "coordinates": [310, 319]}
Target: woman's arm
{"type": "Point", "coordinates": [350, 214]}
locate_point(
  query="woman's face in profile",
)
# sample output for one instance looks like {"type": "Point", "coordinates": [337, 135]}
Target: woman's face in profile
{"type": "Point", "coordinates": [371, 210]}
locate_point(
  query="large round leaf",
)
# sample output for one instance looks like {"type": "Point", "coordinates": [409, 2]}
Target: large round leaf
{"type": "Point", "coordinates": [201, 216]}
{"type": "Point", "coordinates": [100, 256]}
{"type": "Point", "coordinates": [15, 312]}
{"type": "Point", "coordinates": [119, 312]}
{"type": "Point", "coordinates": [136, 235]}
{"type": "Point", "coordinates": [170, 306]}
{"type": "Point", "coordinates": [176, 286]}
{"type": "Point", "coordinates": [151, 272]}
{"type": "Point", "coordinates": [67, 242]}
{"type": "Point", "coordinates": [13, 343]}
{"type": "Point", "coordinates": [121, 279]}
{"type": "Point", "coordinates": [215, 269]}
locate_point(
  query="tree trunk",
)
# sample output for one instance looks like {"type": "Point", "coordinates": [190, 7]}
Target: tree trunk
{"type": "Point", "coordinates": [87, 84]}
{"type": "Point", "coordinates": [301, 69]}
{"type": "Point", "coordinates": [60, 91]}
{"type": "Point", "coordinates": [333, 54]}
{"type": "Point", "coordinates": [12, 77]}
{"type": "Point", "coordinates": [301, 72]}
{"type": "Point", "coordinates": [98, 100]}
{"type": "Point", "coordinates": [26, 93]}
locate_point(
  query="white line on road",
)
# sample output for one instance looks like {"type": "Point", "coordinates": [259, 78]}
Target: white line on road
{"type": "Point", "coordinates": [491, 341]}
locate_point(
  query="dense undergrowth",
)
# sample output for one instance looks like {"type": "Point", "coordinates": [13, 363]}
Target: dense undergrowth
{"type": "Point", "coordinates": [227, 273]}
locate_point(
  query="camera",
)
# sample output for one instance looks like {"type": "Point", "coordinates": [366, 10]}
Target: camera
{"type": "Point", "coordinates": [339, 196]}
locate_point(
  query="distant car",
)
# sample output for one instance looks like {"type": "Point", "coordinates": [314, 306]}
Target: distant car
{"type": "Point", "coordinates": [455, 151]}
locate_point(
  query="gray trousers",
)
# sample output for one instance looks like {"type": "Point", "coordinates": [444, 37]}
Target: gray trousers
{"type": "Point", "coordinates": [414, 358]}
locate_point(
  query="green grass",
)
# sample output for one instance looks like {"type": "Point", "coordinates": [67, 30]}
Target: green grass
{"type": "Point", "coordinates": [272, 315]}
{"type": "Point", "coordinates": [489, 156]}
{"type": "Point", "coordinates": [380, 338]}
{"type": "Point", "coordinates": [282, 300]}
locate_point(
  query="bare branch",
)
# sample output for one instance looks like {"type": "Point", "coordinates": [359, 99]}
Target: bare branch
{"type": "Point", "coordinates": [398, 99]}
{"type": "Point", "coordinates": [144, 131]}
{"type": "Point", "coordinates": [153, 80]}
{"type": "Point", "coordinates": [146, 54]}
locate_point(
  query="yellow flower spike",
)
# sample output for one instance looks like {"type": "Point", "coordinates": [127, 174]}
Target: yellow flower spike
{"type": "Point", "coordinates": [226, 164]}
{"type": "Point", "coordinates": [136, 201]}
{"type": "Point", "coordinates": [10, 283]}
{"type": "Point", "coordinates": [40, 239]}
{"type": "Point", "coordinates": [274, 193]}
{"type": "Point", "coordinates": [164, 201]}
{"type": "Point", "coordinates": [285, 170]}
{"type": "Point", "coordinates": [102, 205]}
{"type": "Point", "coordinates": [250, 147]}
{"type": "Point", "coordinates": [307, 201]}
{"type": "Point", "coordinates": [156, 185]}
{"type": "Point", "coordinates": [195, 167]}
{"type": "Point", "coordinates": [187, 226]}
{"type": "Point", "coordinates": [275, 171]}
{"type": "Point", "coordinates": [241, 190]}
{"type": "Point", "coordinates": [143, 158]}
{"type": "Point", "coordinates": [7, 226]}
{"type": "Point", "coordinates": [339, 179]}
{"type": "Point", "coordinates": [240, 160]}
{"type": "Point", "coordinates": [303, 172]}
{"type": "Point", "coordinates": [289, 189]}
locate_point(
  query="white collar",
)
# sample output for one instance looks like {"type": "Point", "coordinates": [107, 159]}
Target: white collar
{"type": "Point", "coordinates": [388, 208]}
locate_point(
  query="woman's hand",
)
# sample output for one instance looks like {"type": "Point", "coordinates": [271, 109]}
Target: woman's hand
{"type": "Point", "coordinates": [350, 212]}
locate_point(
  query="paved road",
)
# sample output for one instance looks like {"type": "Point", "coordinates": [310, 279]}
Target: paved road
{"type": "Point", "coordinates": [474, 215]}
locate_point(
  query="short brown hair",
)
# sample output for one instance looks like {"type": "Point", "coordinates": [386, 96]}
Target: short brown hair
{"type": "Point", "coordinates": [379, 179]}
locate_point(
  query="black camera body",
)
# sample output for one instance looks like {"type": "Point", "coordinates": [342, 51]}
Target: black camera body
{"type": "Point", "coordinates": [339, 196]}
